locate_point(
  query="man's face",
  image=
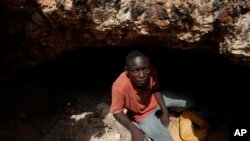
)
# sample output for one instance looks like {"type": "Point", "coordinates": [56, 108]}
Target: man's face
{"type": "Point", "coordinates": [138, 70]}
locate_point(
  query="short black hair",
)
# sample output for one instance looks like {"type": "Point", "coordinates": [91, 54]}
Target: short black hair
{"type": "Point", "coordinates": [133, 54]}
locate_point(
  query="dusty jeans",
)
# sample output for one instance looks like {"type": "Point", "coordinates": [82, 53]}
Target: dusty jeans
{"type": "Point", "coordinates": [152, 126]}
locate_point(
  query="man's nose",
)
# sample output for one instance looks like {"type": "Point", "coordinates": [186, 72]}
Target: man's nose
{"type": "Point", "coordinates": [141, 74]}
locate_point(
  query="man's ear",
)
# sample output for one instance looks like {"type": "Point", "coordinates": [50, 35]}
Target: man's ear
{"type": "Point", "coordinates": [126, 70]}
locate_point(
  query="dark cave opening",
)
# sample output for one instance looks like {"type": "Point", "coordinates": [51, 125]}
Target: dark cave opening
{"type": "Point", "coordinates": [214, 81]}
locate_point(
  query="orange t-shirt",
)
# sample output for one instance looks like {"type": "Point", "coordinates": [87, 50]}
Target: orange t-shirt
{"type": "Point", "coordinates": [139, 103]}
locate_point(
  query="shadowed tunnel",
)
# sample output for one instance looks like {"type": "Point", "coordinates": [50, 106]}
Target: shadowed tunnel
{"type": "Point", "coordinates": [214, 81]}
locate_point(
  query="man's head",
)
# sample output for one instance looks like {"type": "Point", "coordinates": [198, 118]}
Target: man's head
{"type": "Point", "coordinates": [138, 68]}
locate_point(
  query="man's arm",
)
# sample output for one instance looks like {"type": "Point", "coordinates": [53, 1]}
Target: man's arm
{"type": "Point", "coordinates": [136, 133]}
{"type": "Point", "coordinates": [160, 100]}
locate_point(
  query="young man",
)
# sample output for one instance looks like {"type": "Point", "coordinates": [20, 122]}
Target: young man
{"type": "Point", "coordinates": [136, 90]}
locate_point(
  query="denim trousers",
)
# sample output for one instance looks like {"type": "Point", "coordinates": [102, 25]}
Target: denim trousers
{"type": "Point", "coordinates": [153, 127]}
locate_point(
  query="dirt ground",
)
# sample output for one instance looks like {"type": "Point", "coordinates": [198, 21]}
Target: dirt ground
{"type": "Point", "coordinates": [79, 116]}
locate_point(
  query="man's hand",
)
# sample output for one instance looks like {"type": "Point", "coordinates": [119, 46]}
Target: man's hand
{"type": "Point", "coordinates": [136, 134]}
{"type": "Point", "coordinates": [165, 120]}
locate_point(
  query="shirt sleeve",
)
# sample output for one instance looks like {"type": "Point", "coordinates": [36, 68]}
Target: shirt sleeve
{"type": "Point", "coordinates": [118, 101]}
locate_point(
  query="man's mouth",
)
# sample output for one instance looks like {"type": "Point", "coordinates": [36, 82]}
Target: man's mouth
{"type": "Point", "coordinates": [142, 82]}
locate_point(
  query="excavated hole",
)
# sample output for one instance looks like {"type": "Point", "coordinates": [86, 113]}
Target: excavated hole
{"type": "Point", "coordinates": [34, 101]}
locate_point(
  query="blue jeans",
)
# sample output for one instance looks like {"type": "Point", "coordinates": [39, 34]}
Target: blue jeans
{"type": "Point", "coordinates": [153, 127]}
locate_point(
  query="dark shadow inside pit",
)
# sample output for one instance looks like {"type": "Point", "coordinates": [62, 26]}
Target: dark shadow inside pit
{"type": "Point", "coordinates": [52, 86]}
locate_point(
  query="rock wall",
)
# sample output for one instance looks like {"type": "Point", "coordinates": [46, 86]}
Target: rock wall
{"type": "Point", "coordinates": [35, 31]}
